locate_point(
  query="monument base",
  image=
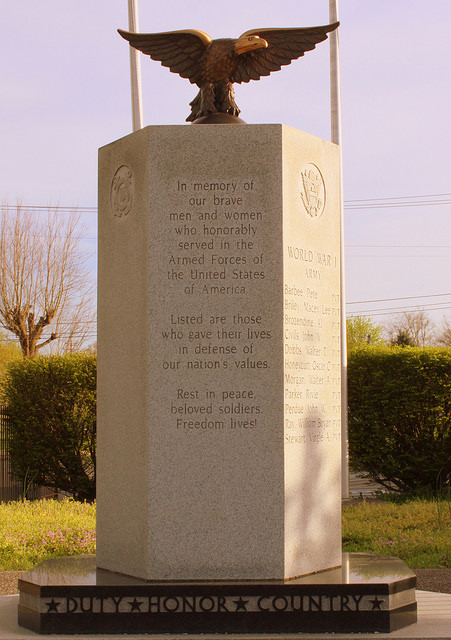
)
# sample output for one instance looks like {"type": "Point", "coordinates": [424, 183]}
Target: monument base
{"type": "Point", "coordinates": [368, 593]}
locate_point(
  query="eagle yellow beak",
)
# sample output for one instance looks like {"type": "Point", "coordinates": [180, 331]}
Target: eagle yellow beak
{"type": "Point", "coordinates": [248, 43]}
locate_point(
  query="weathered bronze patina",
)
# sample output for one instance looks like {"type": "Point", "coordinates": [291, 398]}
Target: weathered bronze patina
{"type": "Point", "coordinates": [214, 65]}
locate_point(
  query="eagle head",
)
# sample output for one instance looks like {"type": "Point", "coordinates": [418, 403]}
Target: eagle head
{"type": "Point", "coordinates": [249, 43]}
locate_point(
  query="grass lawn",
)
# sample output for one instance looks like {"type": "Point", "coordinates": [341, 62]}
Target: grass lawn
{"type": "Point", "coordinates": [34, 531]}
{"type": "Point", "coordinates": [418, 531]}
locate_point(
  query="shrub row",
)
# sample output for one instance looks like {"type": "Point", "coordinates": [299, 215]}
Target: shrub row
{"type": "Point", "coordinates": [399, 419]}
{"type": "Point", "coordinates": [399, 402]}
{"type": "Point", "coordinates": [51, 403]}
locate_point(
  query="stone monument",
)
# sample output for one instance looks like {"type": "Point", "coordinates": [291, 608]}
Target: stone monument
{"type": "Point", "coordinates": [219, 454]}
{"type": "Point", "coordinates": [219, 361]}
{"type": "Point", "coordinates": [218, 399]}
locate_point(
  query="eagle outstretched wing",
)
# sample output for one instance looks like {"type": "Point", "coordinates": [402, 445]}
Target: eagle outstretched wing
{"type": "Point", "coordinates": [284, 45]}
{"type": "Point", "coordinates": [178, 50]}
{"type": "Point", "coordinates": [214, 65]}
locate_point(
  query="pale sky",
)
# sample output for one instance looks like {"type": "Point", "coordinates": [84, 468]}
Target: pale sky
{"type": "Point", "coordinates": [65, 93]}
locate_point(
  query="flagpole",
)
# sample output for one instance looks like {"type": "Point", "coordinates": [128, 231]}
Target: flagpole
{"type": "Point", "coordinates": [135, 69]}
{"type": "Point", "coordinates": [335, 100]}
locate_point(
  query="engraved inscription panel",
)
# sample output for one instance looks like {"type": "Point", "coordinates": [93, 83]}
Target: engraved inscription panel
{"type": "Point", "coordinates": [217, 331]}
{"type": "Point", "coordinates": [312, 386]}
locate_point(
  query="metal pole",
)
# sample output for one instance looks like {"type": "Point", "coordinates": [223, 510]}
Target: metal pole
{"type": "Point", "coordinates": [135, 69]}
{"type": "Point", "coordinates": [335, 99]}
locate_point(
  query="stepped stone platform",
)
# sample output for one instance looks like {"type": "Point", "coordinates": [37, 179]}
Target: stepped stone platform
{"type": "Point", "coordinates": [367, 594]}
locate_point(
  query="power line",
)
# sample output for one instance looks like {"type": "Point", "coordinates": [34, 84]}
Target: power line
{"type": "Point", "coordinates": [432, 295]}
{"type": "Point", "coordinates": [60, 336]}
{"type": "Point", "coordinates": [432, 195]}
{"type": "Point", "coordinates": [399, 246]}
{"type": "Point", "coordinates": [399, 201]}
{"type": "Point", "coordinates": [66, 322]}
{"type": "Point", "coordinates": [395, 205]}
{"type": "Point", "coordinates": [360, 203]}
{"type": "Point", "coordinates": [347, 205]}
{"type": "Point", "coordinates": [50, 207]}
{"type": "Point", "coordinates": [432, 306]}
{"type": "Point", "coordinates": [378, 312]}
{"type": "Point", "coordinates": [410, 307]}
{"type": "Point", "coordinates": [397, 257]}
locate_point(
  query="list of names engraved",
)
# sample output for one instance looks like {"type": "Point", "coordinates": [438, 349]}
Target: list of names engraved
{"type": "Point", "coordinates": [312, 348]}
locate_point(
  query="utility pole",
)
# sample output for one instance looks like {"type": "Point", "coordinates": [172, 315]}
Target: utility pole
{"type": "Point", "coordinates": [135, 69]}
{"type": "Point", "coordinates": [335, 102]}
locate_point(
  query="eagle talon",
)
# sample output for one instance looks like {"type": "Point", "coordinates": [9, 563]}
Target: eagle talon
{"type": "Point", "coordinates": [214, 98]}
{"type": "Point", "coordinates": [225, 99]}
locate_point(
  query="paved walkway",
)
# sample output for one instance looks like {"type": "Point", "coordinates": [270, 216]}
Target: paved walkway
{"type": "Point", "coordinates": [360, 487]}
{"type": "Point", "coordinates": [434, 622]}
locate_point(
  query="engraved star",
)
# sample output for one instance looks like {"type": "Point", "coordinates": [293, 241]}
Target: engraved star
{"type": "Point", "coordinates": [240, 604]}
{"type": "Point", "coordinates": [377, 603]}
{"type": "Point", "coordinates": [135, 605]}
{"type": "Point", "coordinates": [52, 606]}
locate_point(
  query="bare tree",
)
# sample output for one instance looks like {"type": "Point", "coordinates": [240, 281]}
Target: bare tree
{"type": "Point", "coordinates": [412, 327]}
{"type": "Point", "coordinates": [44, 283]}
{"type": "Point", "coordinates": [444, 335]}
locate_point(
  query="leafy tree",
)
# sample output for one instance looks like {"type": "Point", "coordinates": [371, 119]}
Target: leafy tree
{"type": "Point", "coordinates": [43, 280]}
{"type": "Point", "coordinates": [402, 339]}
{"type": "Point", "coordinates": [51, 401]}
{"type": "Point", "coordinates": [362, 332]}
{"type": "Point", "coordinates": [9, 352]}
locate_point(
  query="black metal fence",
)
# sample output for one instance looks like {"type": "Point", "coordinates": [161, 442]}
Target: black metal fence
{"type": "Point", "coordinates": [11, 487]}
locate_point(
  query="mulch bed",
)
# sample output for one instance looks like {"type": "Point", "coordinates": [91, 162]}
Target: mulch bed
{"type": "Point", "coordinates": [427, 580]}
{"type": "Point", "coordinates": [8, 582]}
{"type": "Point", "coordinates": [434, 580]}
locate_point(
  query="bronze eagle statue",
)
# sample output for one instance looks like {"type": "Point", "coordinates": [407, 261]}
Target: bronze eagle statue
{"type": "Point", "coordinates": [215, 65]}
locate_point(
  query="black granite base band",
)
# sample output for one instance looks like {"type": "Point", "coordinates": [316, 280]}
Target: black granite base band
{"type": "Point", "coordinates": [104, 602]}
{"type": "Point", "coordinates": [311, 622]}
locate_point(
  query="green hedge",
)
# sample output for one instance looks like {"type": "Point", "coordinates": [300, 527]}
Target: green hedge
{"type": "Point", "coordinates": [400, 416]}
{"type": "Point", "coordinates": [51, 401]}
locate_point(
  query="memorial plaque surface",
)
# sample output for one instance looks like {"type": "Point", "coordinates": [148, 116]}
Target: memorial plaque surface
{"type": "Point", "coordinates": [219, 363]}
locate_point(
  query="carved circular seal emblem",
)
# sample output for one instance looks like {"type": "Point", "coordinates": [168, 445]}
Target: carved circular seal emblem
{"type": "Point", "coordinates": [313, 190]}
{"type": "Point", "coordinates": [121, 195]}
